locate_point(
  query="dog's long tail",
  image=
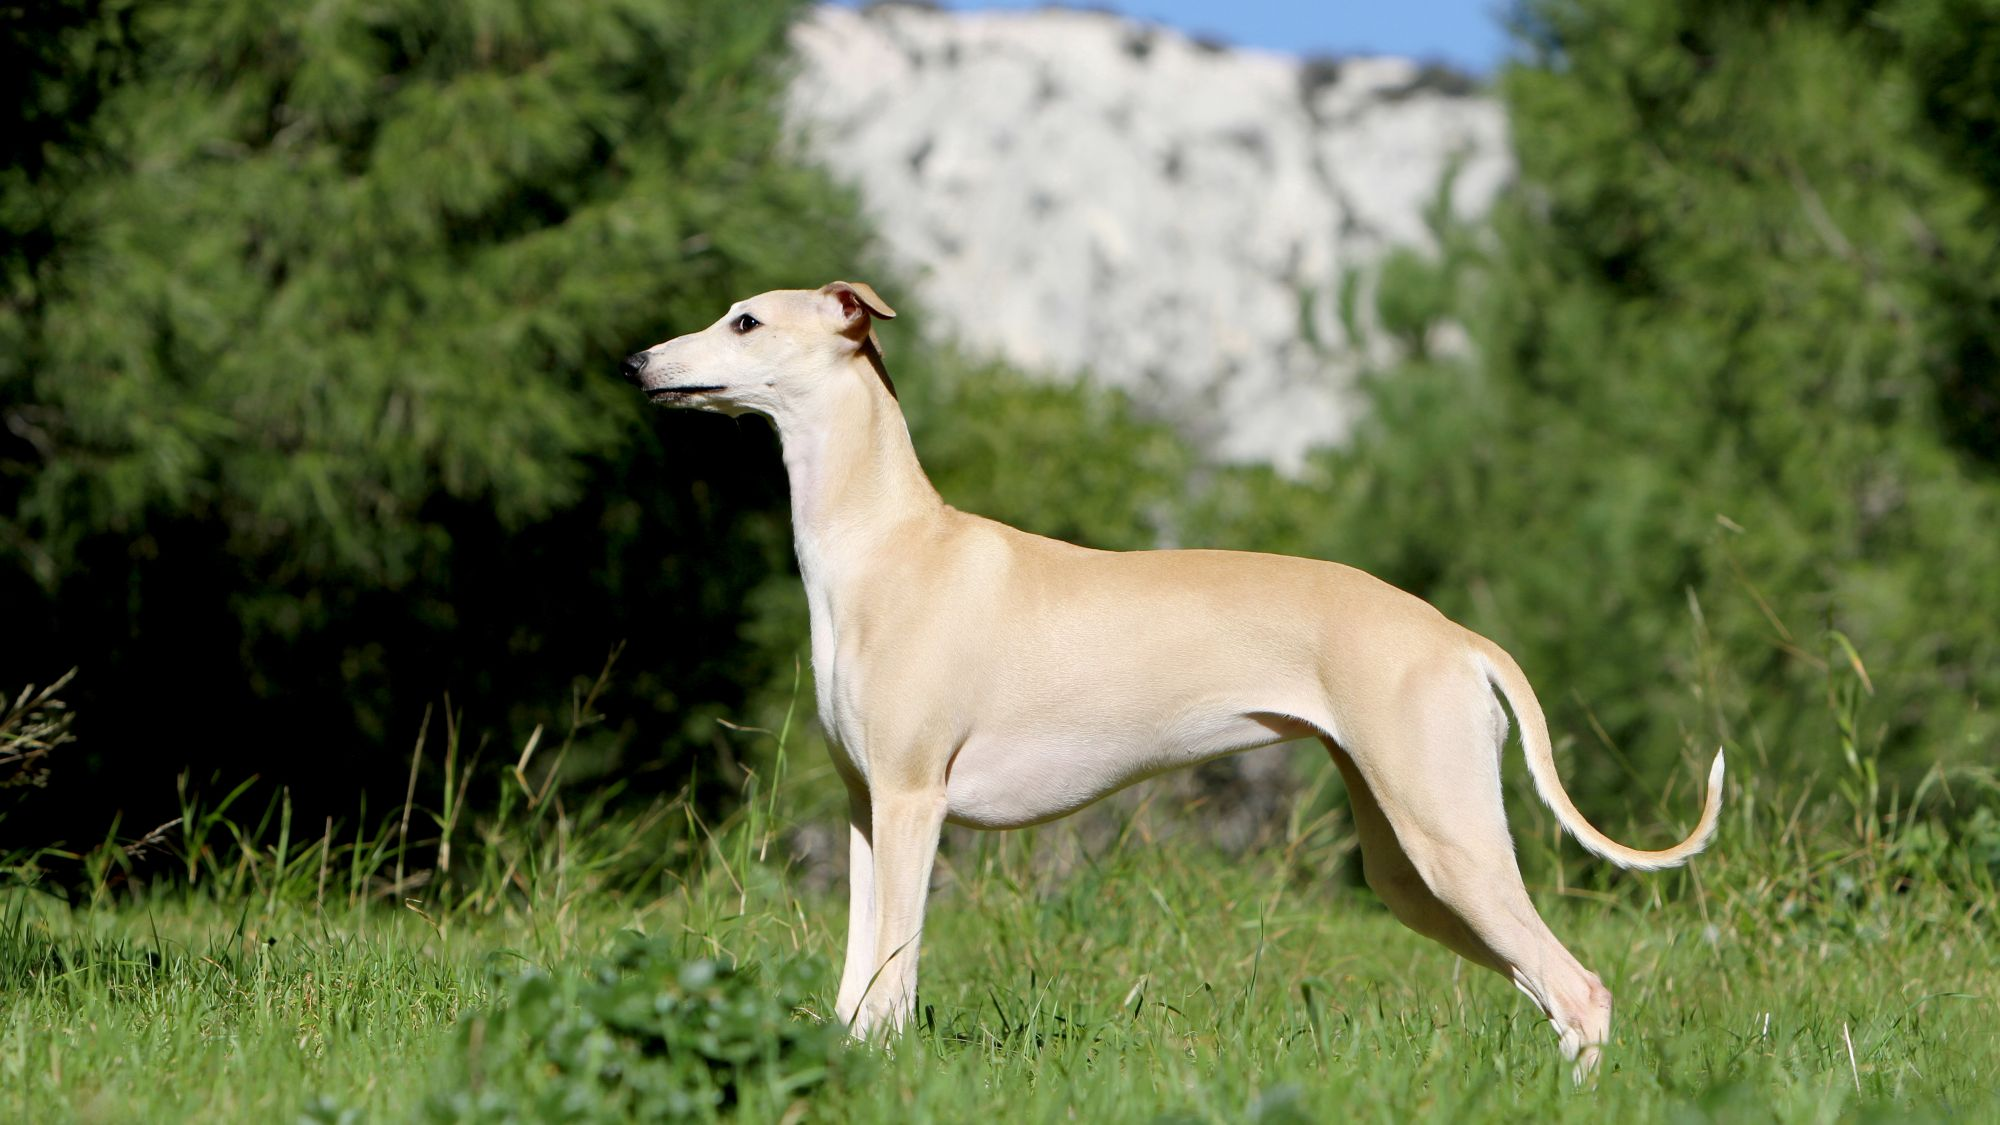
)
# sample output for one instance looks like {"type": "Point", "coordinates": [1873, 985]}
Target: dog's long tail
{"type": "Point", "coordinates": [1506, 675]}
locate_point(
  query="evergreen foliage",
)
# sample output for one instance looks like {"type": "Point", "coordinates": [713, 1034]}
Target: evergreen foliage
{"type": "Point", "coordinates": [1725, 419]}
{"type": "Point", "coordinates": [307, 371]}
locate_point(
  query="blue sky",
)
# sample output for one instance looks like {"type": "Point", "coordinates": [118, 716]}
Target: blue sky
{"type": "Point", "coordinates": [1463, 32]}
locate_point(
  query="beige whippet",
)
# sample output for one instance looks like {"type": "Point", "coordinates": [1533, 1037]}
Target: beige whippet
{"type": "Point", "coordinates": [970, 672]}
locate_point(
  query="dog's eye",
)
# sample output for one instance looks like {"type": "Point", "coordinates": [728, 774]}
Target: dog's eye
{"type": "Point", "coordinates": [744, 323]}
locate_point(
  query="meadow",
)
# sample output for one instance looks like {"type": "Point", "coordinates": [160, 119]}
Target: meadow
{"type": "Point", "coordinates": [566, 957]}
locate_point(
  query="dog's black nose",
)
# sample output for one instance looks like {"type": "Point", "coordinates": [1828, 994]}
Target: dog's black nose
{"type": "Point", "coordinates": [634, 363]}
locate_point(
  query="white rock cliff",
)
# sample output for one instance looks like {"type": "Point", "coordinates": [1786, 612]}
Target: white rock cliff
{"type": "Point", "coordinates": [1074, 192]}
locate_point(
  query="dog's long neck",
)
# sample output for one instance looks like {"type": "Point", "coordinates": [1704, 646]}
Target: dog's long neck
{"type": "Point", "coordinates": [854, 474]}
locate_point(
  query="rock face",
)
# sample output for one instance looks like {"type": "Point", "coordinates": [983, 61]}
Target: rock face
{"type": "Point", "coordinates": [1074, 192]}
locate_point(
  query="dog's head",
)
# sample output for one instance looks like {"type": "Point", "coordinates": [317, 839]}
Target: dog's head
{"type": "Point", "coordinates": [765, 353]}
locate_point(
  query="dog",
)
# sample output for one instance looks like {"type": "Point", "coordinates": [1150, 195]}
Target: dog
{"type": "Point", "coordinates": [970, 672]}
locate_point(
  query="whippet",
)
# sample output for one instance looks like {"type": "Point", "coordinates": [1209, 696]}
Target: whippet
{"type": "Point", "coordinates": [970, 672]}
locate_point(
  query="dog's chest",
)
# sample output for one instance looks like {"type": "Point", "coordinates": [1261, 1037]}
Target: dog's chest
{"type": "Point", "coordinates": [835, 678]}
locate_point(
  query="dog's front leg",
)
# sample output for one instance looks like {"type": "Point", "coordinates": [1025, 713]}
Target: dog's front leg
{"type": "Point", "coordinates": [904, 828]}
{"type": "Point", "coordinates": [860, 906]}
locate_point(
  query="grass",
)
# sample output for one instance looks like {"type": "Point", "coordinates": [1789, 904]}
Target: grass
{"type": "Point", "coordinates": [1832, 959]}
{"type": "Point", "coordinates": [1148, 983]}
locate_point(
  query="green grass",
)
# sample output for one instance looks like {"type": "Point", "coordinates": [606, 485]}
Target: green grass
{"type": "Point", "coordinates": [1785, 978]}
{"type": "Point", "coordinates": [1831, 958]}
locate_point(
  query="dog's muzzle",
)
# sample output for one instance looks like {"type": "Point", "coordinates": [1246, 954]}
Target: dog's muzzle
{"type": "Point", "coordinates": [632, 366]}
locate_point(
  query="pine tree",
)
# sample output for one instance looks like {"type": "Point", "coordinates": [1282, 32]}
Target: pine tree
{"type": "Point", "coordinates": [310, 395]}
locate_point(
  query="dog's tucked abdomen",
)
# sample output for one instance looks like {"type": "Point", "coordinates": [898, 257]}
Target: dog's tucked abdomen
{"type": "Point", "coordinates": [1028, 777]}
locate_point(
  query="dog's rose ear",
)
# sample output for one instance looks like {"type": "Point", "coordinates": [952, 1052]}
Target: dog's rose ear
{"type": "Point", "coordinates": [858, 303]}
{"type": "Point", "coordinates": [859, 295]}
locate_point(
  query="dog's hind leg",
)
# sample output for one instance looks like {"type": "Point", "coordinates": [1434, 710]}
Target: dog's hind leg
{"type": "Point", "coordinates": [1435, 847]}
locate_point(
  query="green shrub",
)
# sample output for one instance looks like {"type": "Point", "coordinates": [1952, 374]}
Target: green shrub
{"type": "Point", "coordinates": [648, 1036]}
